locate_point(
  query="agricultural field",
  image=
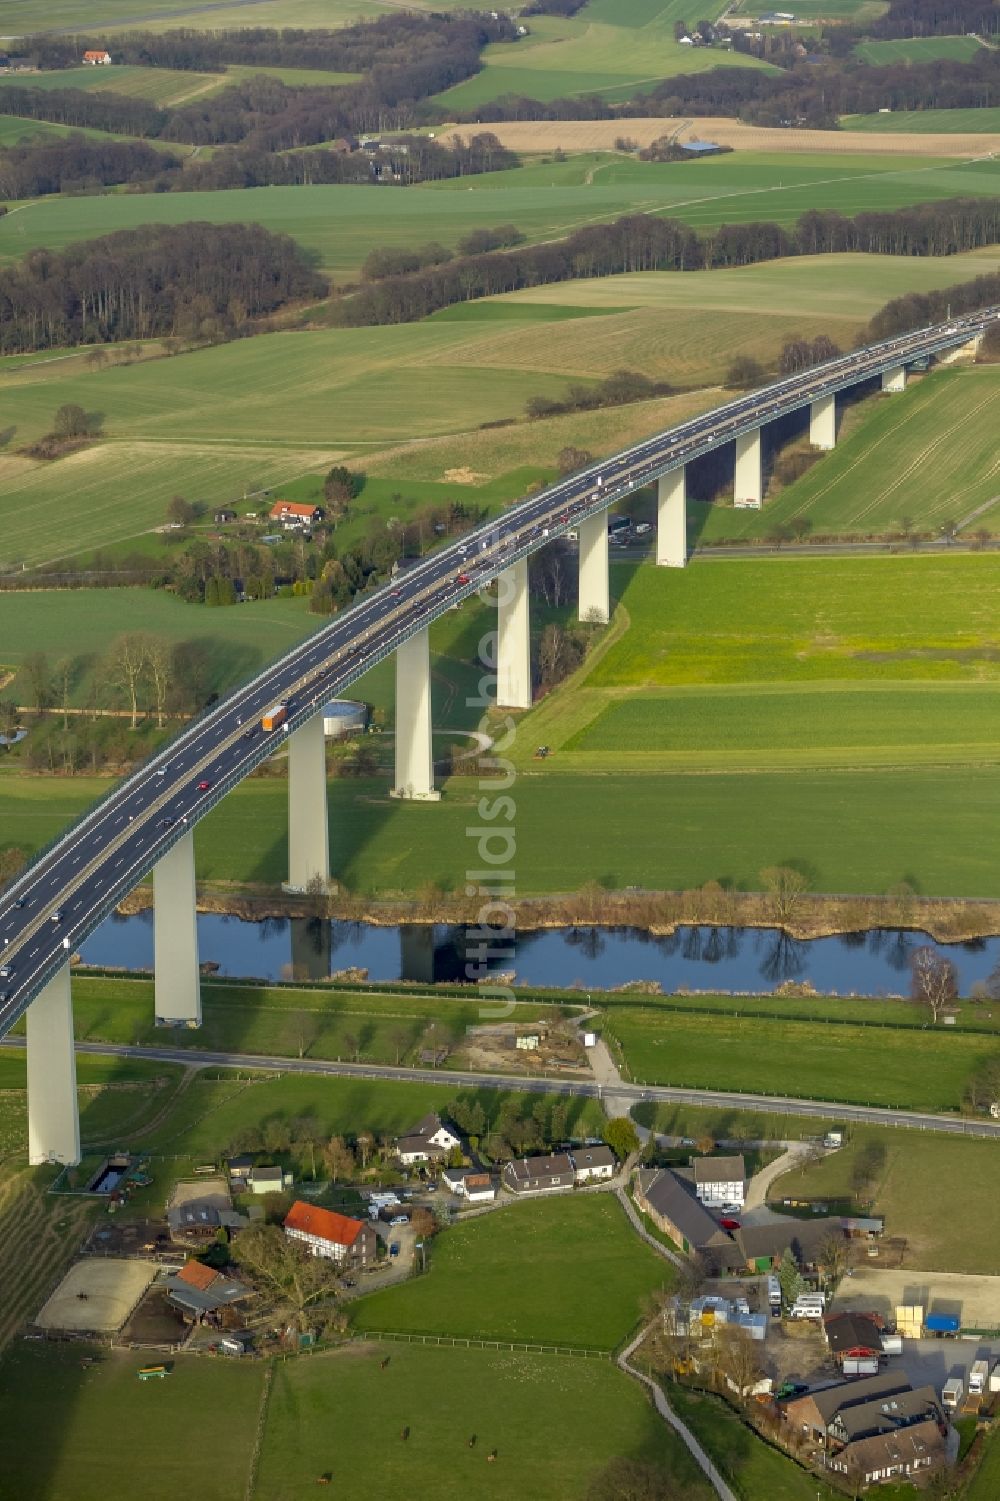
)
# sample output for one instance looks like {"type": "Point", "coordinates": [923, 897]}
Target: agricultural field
{"type": "Point", "coordinates": [914, 461]}
{"type": "Point", "coordinates": [160, 86]}
{"type": "Point", "coordinates": [607, 49]}
{"type": "Point", "coordinates": [215, 1406]}
{"type": "Point", "coordinates": [476, 1283]}
{"type": "Point", "coordinates": [811, 1060]}
{"type": "Point", "coordinates": [894, 681]}
{"type": "Point", "coordinates": [84, 16]}
{"type": "Point", "coordinates": [338, 223]}
{"type": "Point", "coordinates": [953, 49]}
{"type": "Point", "coordinates": [225, 423]}
{"type": "Point", "coordinates": [328, 1414]}
{"type": "Point", "coordinates": [906, 1182]}
{"type": "Point", "coordinates": [929, 121]}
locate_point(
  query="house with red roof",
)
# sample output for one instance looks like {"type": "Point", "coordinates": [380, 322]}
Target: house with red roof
{"type": "Point", "coordinates": [329, 1234]}
{"type": "Point", "coordinates": [100, 59]}
{"type": "Point", "coordinates": [294, 513]}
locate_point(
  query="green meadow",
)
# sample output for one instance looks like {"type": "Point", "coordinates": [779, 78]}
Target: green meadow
{"type": "Point", "coordinates": [954, 49]}
{"type": "Point", "coordinates": [607, 49]}
{"type": "Point", "coordinates": [476, 1283]}
{"type": "Point", "coordinates": [913, 461]}
{"type": "Point", "coordinates": [328, 1414]}
{"type": "Point", "coordinates": [927, 121]}
{"type": "Point", "coordinates": [812, 1060]}
{"type": "Point", "coordinates": [338, 223]}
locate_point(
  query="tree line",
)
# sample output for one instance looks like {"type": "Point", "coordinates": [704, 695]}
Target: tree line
{"type": "Point", "coordinates": [642, 242]}
{"type": "Point", "coordinates": [187, 280]}
{"type": "Point", "coordinates": [387, 42]}
{"type": "Point", "coordinates": [918, 309]}
{"type": "Point", "coordinates": [76, 164]}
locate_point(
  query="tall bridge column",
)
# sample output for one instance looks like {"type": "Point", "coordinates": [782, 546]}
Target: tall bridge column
{"type": "Point", "coordinates": [177, 983]}
{"type": "Point", "coordinates": [414, 755]}
{"type": "Point", "coordinates": [894, 380]}
{"type": "Point", "coordinates": [671, 519]}
{"type": "Point", "coordinates": [748, 487]}
{"type": "Point", "coordinates": [594, 596]}
{"type": "Point", "coordinates": [823, 422]}
{"type": "Point", "coordinates": [53, 1117]}
{"type": "Point", "coordinates": [308, 820]}
{"type": "Point", "coordinates": [513, 638]}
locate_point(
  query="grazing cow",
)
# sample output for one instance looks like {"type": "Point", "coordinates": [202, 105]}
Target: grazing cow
{"type": "Point", "coordinates": [385, 1362]}
{"type": "Point", "coordinates": [404, 1433]}
{"type": "Point", "coordinates": [491, 1457]}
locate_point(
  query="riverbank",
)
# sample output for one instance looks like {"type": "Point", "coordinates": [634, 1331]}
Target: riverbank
{"type": "Point", "coordinates": [658, 913]}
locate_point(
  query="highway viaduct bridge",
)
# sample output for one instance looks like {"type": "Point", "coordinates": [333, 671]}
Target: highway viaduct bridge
{"type": "Point", "coordinates": [147, 822]}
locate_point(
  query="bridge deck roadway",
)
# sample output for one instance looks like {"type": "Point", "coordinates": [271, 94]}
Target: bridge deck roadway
{"type": "Point", "coordinates": [85, 873]}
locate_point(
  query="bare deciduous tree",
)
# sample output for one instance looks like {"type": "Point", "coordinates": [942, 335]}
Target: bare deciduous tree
{"type": "Point", "coordinates": [785, 887]}
{"type": "Point", "coordinates": [933, 980]}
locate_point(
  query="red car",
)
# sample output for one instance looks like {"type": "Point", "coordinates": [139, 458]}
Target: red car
{"type": "Point", "coordinates": [463, 578]}
{"type": "Point", "coordinates": [728, 1224]}
{"type": "Point", "coordinates": [204, 786]}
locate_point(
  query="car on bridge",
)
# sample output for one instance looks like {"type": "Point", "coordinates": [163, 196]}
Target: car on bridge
{"type": "Point", "coordinates": [204, 786]}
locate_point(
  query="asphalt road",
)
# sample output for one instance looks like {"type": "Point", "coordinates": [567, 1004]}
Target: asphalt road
{"type": "Point", "coordinates": [625, 1094]}
{"type": "Point", "coordinates": [71, 887]}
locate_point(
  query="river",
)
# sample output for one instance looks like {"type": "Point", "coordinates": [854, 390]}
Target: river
{"type": "Point", "coordinates": [694, 958]}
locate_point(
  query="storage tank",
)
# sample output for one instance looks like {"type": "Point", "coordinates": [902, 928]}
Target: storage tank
{"type": "Point", "coordinates": [344, 716]}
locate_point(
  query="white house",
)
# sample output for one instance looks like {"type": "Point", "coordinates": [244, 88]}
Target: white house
{"type": "Point", "coordinates": [720, 1180]}
{"type": "Point", "coordinates": [469, 1183]}
{"type": "Point", "coordinates": [268, 1180]}
{"type": "Point", "coordinates": [429, 1140]}
{"type": "Point", "coordinates": [592, 1164]}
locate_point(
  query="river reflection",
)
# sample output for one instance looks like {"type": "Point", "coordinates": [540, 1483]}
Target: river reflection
{"type": "Point", "coordinates": [694, 958]}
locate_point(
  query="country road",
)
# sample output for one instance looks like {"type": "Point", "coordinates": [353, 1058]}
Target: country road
{"type": "Point", "coordinates": [627, 1094]}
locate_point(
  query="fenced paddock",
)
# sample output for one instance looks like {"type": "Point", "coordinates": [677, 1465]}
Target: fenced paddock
{"type": "Point", "coordinates": [97, 1295]}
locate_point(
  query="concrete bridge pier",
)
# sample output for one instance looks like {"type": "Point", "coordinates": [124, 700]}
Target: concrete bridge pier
{"type": "Point", "coordinates": [594, 599]}
{"type": "Point", "coordinates": [53, 1117]}
{"type": "Point", "coordinates": [177, 982]}
{"type": "Point", "coordinates": [894, 380]}
{"type": "Point", "coordinates": [308, 819]}
{"type": "Point", "coordinates": [671, 519]}
{"type": "Point", "coordinates": [748, 487]}
{"type": "Point", "coordinates": [414, 755]}
{"type": "Point", "coordinates": [514, 637]}
{"type": "Point", "coordinates": [823, 422]}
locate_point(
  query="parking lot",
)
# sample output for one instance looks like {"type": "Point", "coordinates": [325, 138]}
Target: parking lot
{"type": "Point", "coordinates": [974, 1300]}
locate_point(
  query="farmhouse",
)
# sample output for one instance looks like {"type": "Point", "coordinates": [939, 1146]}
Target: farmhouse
{"type": "Point", "coordinates": [470, 1183]}
{"type": "Point", "coordinates": [293, 513]}
{"type": "Point", "coordinates": [762, 1246]}
{"type": "Point", "coordinates": [198, 1290]}
{"type": "Point", "coordinates": [592, 1164]}
{"type": "Point", "coordinates": [720, 1180]}
{"type": "Point", "coordinates": [430, 1139]}
{"type": "Point", "coordinates": [240, 1169]}
{"type": "Point", "coordinates": [886, 1414]}
{"type": "Point", "coordinates": [97, 59]}
{"type": "Point", "coordinates": [329, 1234]}
{"type": "Point", "coordinates": [538, 1175]}
{"type": "Point", "coordinates": [813, 1413]}
{"type": "Point", "coordinates": [916, 1450]}
{"type": "Point", "coordinates": [675, 1210]}
{"type": "Point", "coordinates": [199, 1219]}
